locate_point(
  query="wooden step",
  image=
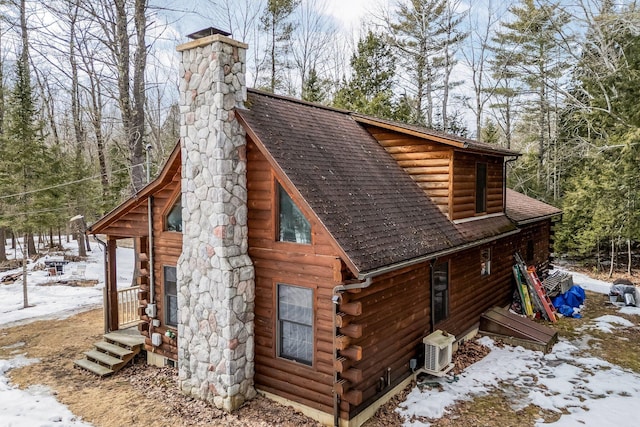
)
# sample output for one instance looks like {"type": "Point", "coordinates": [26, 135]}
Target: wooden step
{"type": "Point", "coordinates": [126, 340]}
{"type": "Point", "coordinates": [113, 349]}
{"type": "Point", "coordinates": [93, 367]}
{"type": "Point", "coordinates": [104, 359]}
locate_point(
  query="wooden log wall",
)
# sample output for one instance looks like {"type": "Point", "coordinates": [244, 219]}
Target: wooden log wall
{"type": "Point", "coordinates": [428, 163]}
{"type": "Point", "coordinates": [463, 202]}
{"type": "Point", "coordinates": [167, 249]}
{"type": "Point", "coordinates": [381, 327]}
{"type": "Point", "coordinates": [470, 294]}
{"type": "Point", "coordinates": [315, 266]}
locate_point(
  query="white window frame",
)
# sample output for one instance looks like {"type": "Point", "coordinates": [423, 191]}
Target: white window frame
{"type": "Point", "coordinates": [296, 320]}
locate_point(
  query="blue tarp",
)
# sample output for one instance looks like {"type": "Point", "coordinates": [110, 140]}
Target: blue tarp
{"type": "Point", "coordinates": [567, 303]}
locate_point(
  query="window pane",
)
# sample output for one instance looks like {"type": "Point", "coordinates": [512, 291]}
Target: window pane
{"type": "Point", "coordinates": [440, 292]}
{"type": "Point", "coordinates": [481, 187]}
{"type": "Point", "coordinates": [171, 302]}
{"type": "Point", "coordinates": [295, 323]}
{"type": "Point", "coordinates": [485, 262]}
{"type": "Point", "coordinates": [174, 219]}
{"type": "Point", "coordinates": [171, 296]}
{"type": "Point", "coordinates": [294, 227]}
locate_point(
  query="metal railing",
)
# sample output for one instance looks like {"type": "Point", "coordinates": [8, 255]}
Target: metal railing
{"type": "Point", "coordinates": [128, 306]}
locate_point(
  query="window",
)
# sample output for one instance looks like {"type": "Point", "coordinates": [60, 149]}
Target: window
{"type": "Point", "coordinates": [440, 292]}
{"type": "Point", "coordinates": [170, 296]}
{"type": "Point", "coordinates": [481, 187]}
{"type": "Point", "coordinates": [174, 218]}
{"type": "Point", "coordinates": [530, 251]}
{"type": "Point", "coordinates": [293, 226]}
{"type": "Point", "coordinates": [295, 323]}
{"type": "Point", "coordinates": [485, 262]}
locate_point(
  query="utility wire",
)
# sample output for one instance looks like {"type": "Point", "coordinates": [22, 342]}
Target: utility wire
{"type": "Point", "coordinates": [64, 184]}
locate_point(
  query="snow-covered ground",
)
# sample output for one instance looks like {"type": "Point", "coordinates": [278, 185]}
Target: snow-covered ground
{"type": "Point", "coordinates": [36, 406]}
{"type": "Point", "coordinates": [586, 390]}
{"type": "Point", "coordinates": [52, 301]}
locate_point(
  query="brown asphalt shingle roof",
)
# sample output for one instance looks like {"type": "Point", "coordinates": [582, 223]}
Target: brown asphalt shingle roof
{"type": "Point", "coordinates": [369, 204]}
{"type": "Point", "coordinates": [484, 228]}
{"type": "Point", "coordinates": [523, 209]}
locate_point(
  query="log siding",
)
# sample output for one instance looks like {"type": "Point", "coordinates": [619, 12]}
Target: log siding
{"type": "Point", "coordinates": [315, 266]}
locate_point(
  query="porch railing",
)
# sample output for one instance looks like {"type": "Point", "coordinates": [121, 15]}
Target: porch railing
{"type": "Point", "coordinates": [128, 306]}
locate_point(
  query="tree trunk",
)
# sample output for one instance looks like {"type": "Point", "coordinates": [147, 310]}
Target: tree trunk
{"type": "Point", "coordinates": [3, 242]}
{"type": "Point", "coordinates": [25, 255]}
{"type": "Point", "coordinates": [82, 250]}
{"type": "Point", "coordinates": [31, 245]}
{"type": "Point", "coordinates": [613, 257]}
{"type": "Point", "coordinates": [630, 257]}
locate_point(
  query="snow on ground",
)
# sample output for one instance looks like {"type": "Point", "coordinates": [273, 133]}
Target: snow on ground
{"type": "Point", "coordinates": [36, 405]}
{"type": "Point", "coordinates": [586, 390]}
{"type": "Point", "coordinates": [32, 407]}
{"type": "Point", "coordinates": [59, 301]}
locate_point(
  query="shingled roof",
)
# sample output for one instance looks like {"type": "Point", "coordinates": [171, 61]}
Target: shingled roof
{"type": "Point", "coordinates": [523, 209]}
{"type": "Point", "coordinates": [367, 202]}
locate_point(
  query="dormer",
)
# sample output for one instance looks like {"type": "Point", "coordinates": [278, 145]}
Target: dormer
{"type": "Point", "coordinates": [464, 178]}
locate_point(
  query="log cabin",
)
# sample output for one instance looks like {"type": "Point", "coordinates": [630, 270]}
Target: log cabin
{"type": "Point", "coordinates": [304, 252]}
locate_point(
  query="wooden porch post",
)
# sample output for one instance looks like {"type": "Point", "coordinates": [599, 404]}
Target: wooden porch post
{"type": "Point", "coordinates": [112, 286]}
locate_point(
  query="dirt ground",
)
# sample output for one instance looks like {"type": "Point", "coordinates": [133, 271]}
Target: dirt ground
{"type": "Point", "coordinates": [141, 395]}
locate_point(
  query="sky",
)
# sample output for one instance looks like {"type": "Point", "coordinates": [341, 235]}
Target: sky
{"type": "Point", "coordinates": [581, 389]}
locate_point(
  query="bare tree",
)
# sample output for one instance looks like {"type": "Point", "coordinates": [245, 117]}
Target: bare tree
{"type": "Point", "coordinates": [452, 39]}
{"type": "Point", "coordinates": [312, 38]}
{"type": "Point", "coordinates": [129, 59]}
{"type": "Point", "coordinates": [476, 57]}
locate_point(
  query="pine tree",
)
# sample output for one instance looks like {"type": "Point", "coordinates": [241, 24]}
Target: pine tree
{"type": "Point", "coordinates": [314, 88]}
{"type": "Point", "coordinates": [369, 91]}
{"type": "Point", "coordinates": [527, 50]}
{"type": "Point", "coordinates": [418, 33]}
{"type": "Point", "coordinates": [275, 21]}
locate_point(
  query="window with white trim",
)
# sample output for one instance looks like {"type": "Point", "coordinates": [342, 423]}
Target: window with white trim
{"type": "Point", "coordinates": [295, 323]}
{"type": "Point", "coordinates": [170, 296]}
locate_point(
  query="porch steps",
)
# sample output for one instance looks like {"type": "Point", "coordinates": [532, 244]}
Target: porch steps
{"type": "Point", "coordinates": [111, 354]}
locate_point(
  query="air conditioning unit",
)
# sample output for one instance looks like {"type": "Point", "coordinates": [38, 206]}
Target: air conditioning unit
{"type": "Point", "coordinates": [438, 349]}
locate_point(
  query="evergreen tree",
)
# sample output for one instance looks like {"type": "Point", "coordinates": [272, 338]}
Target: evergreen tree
{"type": "Point", "coordinates": [275, 21]}
{"type": "Point", "coordinates": [369, 91]}
{"type": "Point", "coordinates": [418, 31]}
{"type": "Point", "coordinates": [314, 88]}
{"type": "Point", "coordinates": [602, 126]}
{"type": "Point", "coordinates": [490, 133]}
{"type": "Point", "coordinates": [528, 50]}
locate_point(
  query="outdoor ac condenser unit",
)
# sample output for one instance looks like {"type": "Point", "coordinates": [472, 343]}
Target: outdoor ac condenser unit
{"type": "Point", "coordinates": [438, 349]}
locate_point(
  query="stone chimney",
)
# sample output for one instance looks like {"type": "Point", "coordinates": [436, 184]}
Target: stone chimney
{"type": "Point", "coordinates": [215, 273]}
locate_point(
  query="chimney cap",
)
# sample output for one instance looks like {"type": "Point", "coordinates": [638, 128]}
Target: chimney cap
{"type": "Point", "coordinates": [208, 32]}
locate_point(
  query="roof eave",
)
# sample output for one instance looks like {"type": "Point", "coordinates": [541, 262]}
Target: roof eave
{"type": "Point", "coordinates": [538, 219]}
{"type": "Point", "coordinates": [435, 255]}
{"type": "Point", "coordinates": [137, 198]}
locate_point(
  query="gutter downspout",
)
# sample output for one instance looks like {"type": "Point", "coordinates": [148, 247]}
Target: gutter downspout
{"type": "Point", "coordinates": [152, 294]}
{"type": "Point", "coordinates": [105, 297]}
{"type": "Point", "coordinates": [336, 301]}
